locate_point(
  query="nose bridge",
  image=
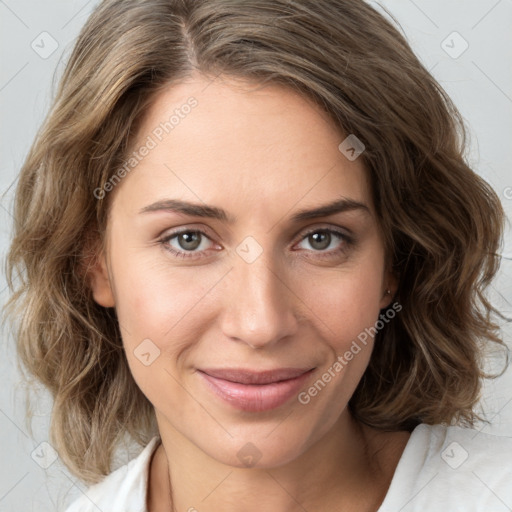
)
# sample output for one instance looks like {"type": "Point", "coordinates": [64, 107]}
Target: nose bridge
{"type": "Point", "coordinates": [260, 307]}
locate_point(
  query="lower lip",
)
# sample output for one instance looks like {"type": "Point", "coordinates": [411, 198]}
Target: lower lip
{"type": "Point", "coordinates": [255, 397]}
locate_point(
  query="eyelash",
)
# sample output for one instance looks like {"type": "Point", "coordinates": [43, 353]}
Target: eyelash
{"type": "Point", "coordinates": [347, 242]}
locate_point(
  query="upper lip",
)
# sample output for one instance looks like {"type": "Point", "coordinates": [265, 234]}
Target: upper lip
{"type": "Point", "coordinates": [255, 377]}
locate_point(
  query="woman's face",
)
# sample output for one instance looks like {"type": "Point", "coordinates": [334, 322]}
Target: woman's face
{"type": "Point", "coordinates": [254, 282]}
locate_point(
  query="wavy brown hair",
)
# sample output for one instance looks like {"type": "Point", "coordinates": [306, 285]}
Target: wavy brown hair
{"type": "Point", "coordinates": [442, 223]}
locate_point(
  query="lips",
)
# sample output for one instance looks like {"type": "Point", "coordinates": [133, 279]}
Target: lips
{"type": "Point", "coordinates": [255, 391]}
{"type": "Point", "coordinates": [256, 377]}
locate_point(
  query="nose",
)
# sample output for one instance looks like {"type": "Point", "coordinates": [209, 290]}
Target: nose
{"type": "Point", "coordinates": [259, 308]}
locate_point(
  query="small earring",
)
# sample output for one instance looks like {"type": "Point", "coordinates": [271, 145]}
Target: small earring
{"type": "Point", "coordinates": [388, 292]}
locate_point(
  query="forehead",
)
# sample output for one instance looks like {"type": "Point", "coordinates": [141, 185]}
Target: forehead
{"type": "Point", "coordinates": [262, 147]}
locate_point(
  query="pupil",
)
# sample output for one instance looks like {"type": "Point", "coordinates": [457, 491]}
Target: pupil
{"type": "Point", "coordinates": [320, 240]}
{"type": "Point", "coordinates": [189, 241]}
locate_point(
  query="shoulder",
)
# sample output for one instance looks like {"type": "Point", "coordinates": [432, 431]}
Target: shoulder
{"type": "Point", "coordinates": [452, 468]}
{"type": "Point", "coordinates": [123, 490]}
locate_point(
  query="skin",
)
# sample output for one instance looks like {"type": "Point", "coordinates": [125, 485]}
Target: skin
{"type": "Point", "coordinates": [261, 154]}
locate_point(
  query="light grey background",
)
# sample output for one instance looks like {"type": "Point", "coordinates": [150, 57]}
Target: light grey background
{"type": "Point", "coordinates": [479, 80]}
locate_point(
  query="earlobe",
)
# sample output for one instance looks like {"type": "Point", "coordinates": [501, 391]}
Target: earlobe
{"type": "Point", "coordinates": [386, 298]}
{"type": "Point", "coordinates": [99, 282]}
{"type": "Point", "coordinates": [390, 287]}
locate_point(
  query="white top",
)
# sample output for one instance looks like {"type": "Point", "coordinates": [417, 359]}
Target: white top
{"type": "Point", "coordinates": [448, 469]}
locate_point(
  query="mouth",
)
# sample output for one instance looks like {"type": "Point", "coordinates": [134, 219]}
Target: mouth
{"type": "Point", "coordinates": [255, 391]}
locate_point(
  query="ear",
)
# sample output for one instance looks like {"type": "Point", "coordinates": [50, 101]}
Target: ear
{"type": "Point", "coordinates": [99, 282]}
{"type": "Point", "coordinates": [389, 287]}
{"type": "Point", "coordinates": [95, 271]}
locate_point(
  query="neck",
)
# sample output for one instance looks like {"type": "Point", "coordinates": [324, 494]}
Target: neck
{"type": "Point", "coordinates": [349, 468]}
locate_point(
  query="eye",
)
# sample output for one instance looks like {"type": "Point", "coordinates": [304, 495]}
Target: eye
{"type": "Point", "coordinates": [326, 241]}
{"type": "Point", "coordinates": [193, 243]}
{"type": "Point", "coordinates": [187, 243]}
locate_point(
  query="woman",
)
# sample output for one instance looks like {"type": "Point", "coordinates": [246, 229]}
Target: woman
{"type": "Point", "coordinates": [251, 242]}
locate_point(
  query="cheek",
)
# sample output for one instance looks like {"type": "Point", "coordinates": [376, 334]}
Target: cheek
{"type": "Point", "coordinates": [155, 301]}
{"type": "Point", "coordinates": [346, 302]}
{"type": "Point", "coordinates": [346, 307]}
{"type": "Point", "coordinates": [155, 305]}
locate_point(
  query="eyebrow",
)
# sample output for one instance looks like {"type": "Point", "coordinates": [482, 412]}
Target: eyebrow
{"type": "Point", "coordinates": [213, 212]}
